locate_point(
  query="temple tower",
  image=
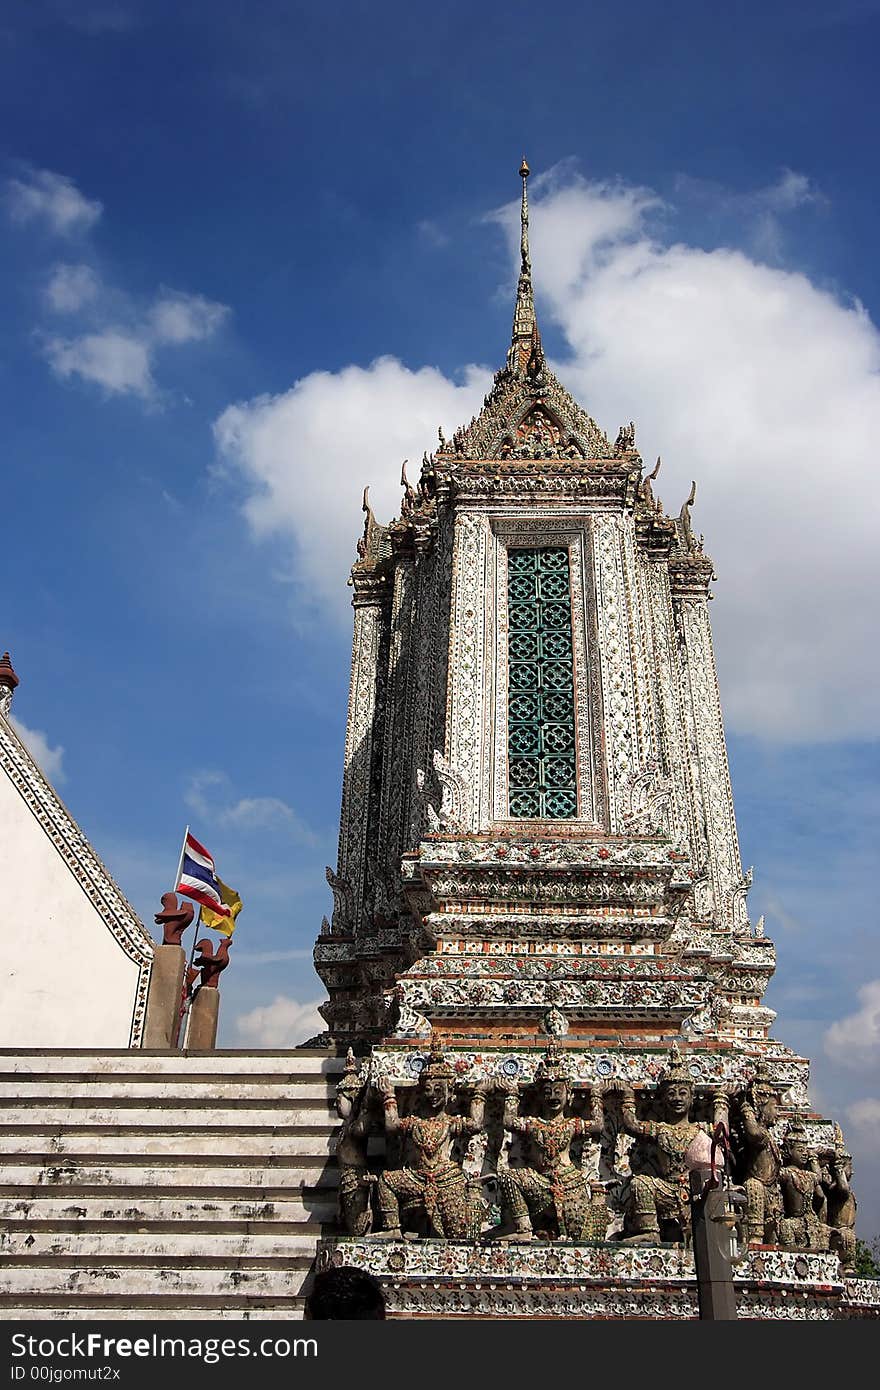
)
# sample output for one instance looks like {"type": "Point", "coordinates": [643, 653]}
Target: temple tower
{"type": "Point", "coordinates": [537, 833]}
{"type": "Point", "coordinates": [540, 947]}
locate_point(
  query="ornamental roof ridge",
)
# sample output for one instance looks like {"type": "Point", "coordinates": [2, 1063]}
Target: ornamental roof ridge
{"type": "Point", "coordinates": [529, 414]}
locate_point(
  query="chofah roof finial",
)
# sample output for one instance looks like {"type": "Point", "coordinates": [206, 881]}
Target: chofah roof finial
{"type": "Point", "coordinates": [684, 522]}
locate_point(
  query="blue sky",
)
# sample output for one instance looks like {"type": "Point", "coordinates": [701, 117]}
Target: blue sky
{"type": "Point", "coordinates": [251, 259]}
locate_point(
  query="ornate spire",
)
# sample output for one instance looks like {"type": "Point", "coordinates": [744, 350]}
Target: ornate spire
{"type": "Point", "coordinates": [8, 682]}
{"type": "Point", "coordinates": [524, 322]}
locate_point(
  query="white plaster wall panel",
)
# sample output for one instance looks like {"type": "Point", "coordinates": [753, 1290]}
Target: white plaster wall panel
{"type": "Point", "coordinates": [65, 981]}
{"type": "Point", "coordinates": [70, 920]}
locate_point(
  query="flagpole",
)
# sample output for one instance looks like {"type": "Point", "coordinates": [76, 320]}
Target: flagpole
{"type": "Point", "coordinates": [187, 997]}
{"type": "Point", "coordinates": [180, 860]}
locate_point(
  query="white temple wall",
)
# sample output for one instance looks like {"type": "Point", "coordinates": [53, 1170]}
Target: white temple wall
{"type": "Point", "coordinates": [65, 981]}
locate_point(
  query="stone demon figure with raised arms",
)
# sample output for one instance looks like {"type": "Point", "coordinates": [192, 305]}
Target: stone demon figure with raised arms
{"type": "Point", "coordinates": [754, 1113]}
{"type": "Point", "coordinates": [355, 1179]}
{"type": "Point", "coordinates": [804, 1203]}
{"type": "Point", "coordinates": [553, 1186]}
{"type": "Point", "coordinates": [836, 1179]}
{"type": "Point", "coordinates": [434, 1185]}
{"type": "Point", "coordinates": [679, 1144]}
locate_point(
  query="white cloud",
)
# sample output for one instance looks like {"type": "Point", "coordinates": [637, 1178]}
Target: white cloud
{"type": "Point", "coordinates": [36, 742]}
{"type": "Point", "coordinates": [118, 337]}
{"type": "Point", "coordinates": [432, 234]}
{"type": "Point", "coordinates": [854, 1041]}
{"type": "Point", "coordinates": [283, 1023]}
{"type": "Point", "coordinates": [121, 360]}
{"type": "Point", "coordinates": [70, 287]}
{"type": "Point", "coordinates": [52, 199]}
{"type": "Point", "coordinates": [208, 795]}
{"type": "Point", "coordinates": [864, 1116]}
{"type": "Point", "coordinates": [791, 190]}
{"type": "Point", "coordinates": [258, 958]}
{"type": "Point", "coordinates": [748, 377]}
{"type": "Point", "coordinates": [184, 318]}
{"type": "Point", "coordinates": [754, 219]}
{"type": "Point", "coordinates": [308, 453]}
{"type": "Point", "coordinates": [765, 389]}
{"type": "Point", "coordinates": [257, 812]}
{"type": "Point", "coordinates": [200, 793]}
{"type": "Point", "coordinates": [114, 359]}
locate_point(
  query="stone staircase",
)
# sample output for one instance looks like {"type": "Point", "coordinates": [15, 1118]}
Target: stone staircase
{"type": "Point", "coordinates": [138, 1184]}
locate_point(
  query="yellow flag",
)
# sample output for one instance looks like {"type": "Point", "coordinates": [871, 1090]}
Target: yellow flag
{"type": "Point", "coordinates": [216, 920]}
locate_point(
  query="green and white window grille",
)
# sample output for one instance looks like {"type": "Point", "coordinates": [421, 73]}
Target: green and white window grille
{"type": "Point", "coordinates": [541, 728]}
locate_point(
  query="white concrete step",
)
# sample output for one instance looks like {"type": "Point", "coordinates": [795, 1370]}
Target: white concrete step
{"type": "Point", "coordinates": [232, 1062]}
{"type": "Point", "coordinates": [144, 1209]}
{"type": "Point", "coordinates": [36, 1116]}
{"type": "Point", "coordinates": [154, 1309]}
{"type": "Point", "coordinates": [227, 1144]}
{"type": "Point", "coordinates": [170, 1171]}
{"type": "Point", "coordinates": [164, 1246]}
{"type": "Point", "coordinates": [280, 1091]}
{"type": "Point", "coordinates": [148, 1278]}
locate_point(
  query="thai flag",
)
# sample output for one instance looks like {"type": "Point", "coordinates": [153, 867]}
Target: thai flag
{"type": "Point", "coordinates": [197, 878]}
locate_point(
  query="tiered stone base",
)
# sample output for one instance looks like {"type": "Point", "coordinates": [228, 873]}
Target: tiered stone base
{"type": "Point", "coordinates": [445, 1279]}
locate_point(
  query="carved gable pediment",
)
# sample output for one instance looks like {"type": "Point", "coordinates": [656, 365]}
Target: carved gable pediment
{"type": "Point", "coordinates": [530, 417]}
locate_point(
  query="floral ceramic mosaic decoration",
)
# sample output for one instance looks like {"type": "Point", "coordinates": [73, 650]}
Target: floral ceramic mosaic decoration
{"type": "Point", "coordinates": [540, 953]}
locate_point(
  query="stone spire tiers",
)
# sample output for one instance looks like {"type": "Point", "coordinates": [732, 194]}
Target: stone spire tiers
{"type": "Point", "coordinates": [539, 886]}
